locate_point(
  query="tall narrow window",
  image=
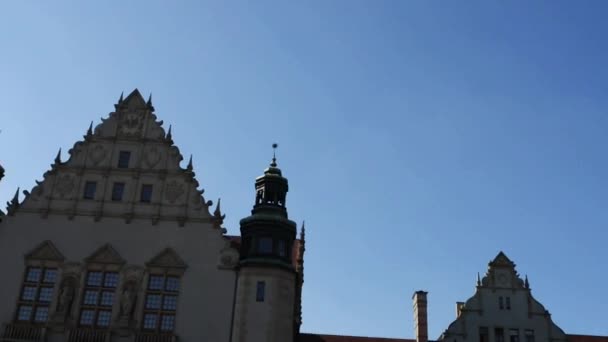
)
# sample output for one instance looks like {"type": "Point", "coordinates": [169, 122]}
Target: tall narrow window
{"type": "Point", "coordinates": [123, 159]}
{"type": "Point", "coordinates": [529, 335]}
{"type": "Point", "coordinates": [483, 334]}
{"type": "Point", "coordinates": [508, 299]}
{"type": "Point", "coordinates": [89, 190]}
{"type": "Point", "coordinates": [260, 291]}
{"type": "Point", "coordinates": [98, 298]}
{"type": "Point", "coordinates": [117, 191]}
{"type": "Point", "coordinates": [282, 248]}
{"type": "Point", "coordinates": [161, 303]}
{"type": "Point", "coordinates": [36, 294]}
{"type": "Point", "coordinates": [500, 303]}
{"type": "Point", "coordinates": [265, 245]}
{"type": "Point", "coordinates": [499, 335]}
{"type": "Point", "coordinates": [146, 193]}
{"type": "Point", "coordinates": [513, 334]}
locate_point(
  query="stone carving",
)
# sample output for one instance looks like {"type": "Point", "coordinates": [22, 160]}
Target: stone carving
{"type": "Point", "coordinates": [66, 298]}
{"type": "Point", "coordinates": [127, 300]}
{"type": "Point", "coordinates": [45, 251]}
{"type": "Point", "coordinates": [65, 185]}
{"type": "Point", "coordinates": [106, 255]}
{"type": "Point", "coordinates": [174, 191]}
{"type": "Point", "coordinates": [98, 154]}
{"type": "Point", "coordinates": [152, 156]}
{"type": "Point", "coordinates": [131, 124]}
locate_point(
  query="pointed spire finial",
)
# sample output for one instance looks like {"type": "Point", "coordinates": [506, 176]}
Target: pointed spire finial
{"type": "Point", "coordinates": [13, 204]}
{"type": "Point", "coordinates": [189, 167]}
{"type": "Point", "coordinates": [169, 136]}
{"type": "Point", "coordinates": [526, 282]}
{"type": "Point", "coordinates": [58, 157]}
{"type": "Point", "coordinates": [149, 103]}
{"type": "Point", "coordinates": [478, 279]}
{"type": "Point", "coordinates": [121, 97]}
{"type": "Point", "coordinates": [90, 130]}
{"type": "Point", "coordinates": [274, 155]}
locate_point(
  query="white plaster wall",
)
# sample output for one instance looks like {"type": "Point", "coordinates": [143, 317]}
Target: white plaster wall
{"type": "Point", "coordinates": [206, 296]}
{"type": "Point", "coordinates": [268, 321]}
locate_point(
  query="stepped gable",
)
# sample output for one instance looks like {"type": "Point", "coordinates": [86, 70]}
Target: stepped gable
{"type": "Point", "coordinates": [154, 159]}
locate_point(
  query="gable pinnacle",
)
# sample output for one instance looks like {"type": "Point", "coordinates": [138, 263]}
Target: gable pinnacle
{"type": "Point", "coordinates": [90, 130]}
{"type": "Point", "coordinates": [121, 97]}
{"type": "Point", "coordinates": [13, 204]}
{"type": "Point", "coordinates": [478, 280]}
{"type": "Point", "coordinates": [526, 282]}
{"type": "Point", "coordinates": [149, 103]}
{"type": "Point", "coordinates": [58, 158]}
{"type": "Point", "coordinates": [169, 136]}
{"type": "Point", "coordinates": [189, 167]}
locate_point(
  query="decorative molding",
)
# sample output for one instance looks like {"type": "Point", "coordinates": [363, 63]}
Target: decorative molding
{"type": "Point", "coordinates": [45, 251]}
{"type": "Point", "coordinates": [168, 258]}
{"type": "Point", "coordinates": [105, 255]}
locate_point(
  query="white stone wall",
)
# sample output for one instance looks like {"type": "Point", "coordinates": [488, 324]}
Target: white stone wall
{"type": "Point", "coordinates": [271, 320]}
{"type": "Point", "coordinates": [483, 309]}
{"type": "Point", "coordinates": [206, 295]}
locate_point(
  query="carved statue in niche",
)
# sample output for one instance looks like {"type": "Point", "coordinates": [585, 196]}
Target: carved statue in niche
{"type": "Point", "coordinates": [66, 298]}
{"type": "Point", "coordinates": [127, 300]}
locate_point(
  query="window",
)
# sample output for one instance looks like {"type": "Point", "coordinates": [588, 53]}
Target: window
{"type": "Point", "coordinates": [36, 294]}
{"type": "Point", "coordinates": [282, 251]}
{"type": "Point", "coordinates": [146, 193]}
{"type": "Point", "coordinates": [123, 159]}
{"type": "Point", "coordinates": [483, 334]}
{"type": "Point", "coordinates": [98, 299]}
{"type": "Point", "coordinates": [265, 245]}
{"type": "Point", "coordinates": [89, 190]}
{"type": "Point", "coordinates": [499, 335]}
{"type": "Point", "coordinates": [529, 335]}
{"type": "Point", "coordinates": [161, 303]}
{"type": "Point", "coordinates": [500, 303]}
{"type": "Point", "coordinates": [117, 191]}
{"type": "Point", "coordinates": [508, 303]}
{"type": "Point", "coordinates": [513, 335]}
{"type": "Point", "coordinates": [260, 291]}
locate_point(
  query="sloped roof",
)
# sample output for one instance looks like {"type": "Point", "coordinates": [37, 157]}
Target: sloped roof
{"type": "Point", "coordinates": [341, 338]}
{"type": "Point", "coordinates": [587, 338]}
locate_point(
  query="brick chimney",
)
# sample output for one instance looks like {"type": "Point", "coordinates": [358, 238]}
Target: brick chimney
{"type": "Point", "coordinates": [420, 316]}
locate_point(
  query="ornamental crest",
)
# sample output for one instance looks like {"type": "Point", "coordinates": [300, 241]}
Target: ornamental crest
{"type": "Point", "coordinates": [131, 124]}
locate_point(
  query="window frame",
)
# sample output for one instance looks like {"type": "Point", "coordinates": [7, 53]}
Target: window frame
{"type": "Point", "coordinates": [39, 284]}
{"type": "Point", "coordinates": [260, 291]}
{"type": "Point", "coordinates": [114, 198]}
{"type": "Point", "coordinates": [98, 306]}
{"type": "Point", "coordinates": [160, 312]}
{"type": "Point", "coordinates": [122, 163]}
{"type": "Point", "coordinates": [85, 194]}
{"type": "Point", "coordinates": [142, 198]}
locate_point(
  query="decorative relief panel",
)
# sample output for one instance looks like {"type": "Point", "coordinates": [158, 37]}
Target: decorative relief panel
{"type": "Point", "coordinates": [174, 190]}
{"type": "Point", "coordinates": [152, 156]}
{"type": "Point", "coordinates": [131, 123]}
{"type": "Point", "coordinates": [65, 186]}
{"type": "Point", "coordinates": [97, 154]}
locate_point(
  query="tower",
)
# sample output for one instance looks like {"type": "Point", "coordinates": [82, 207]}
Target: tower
{"type": "Point", "coordinates": [266, 285]}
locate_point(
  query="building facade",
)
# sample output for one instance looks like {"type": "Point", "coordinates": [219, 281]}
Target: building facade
{"type": "Point", "coordinates": [118, 243]}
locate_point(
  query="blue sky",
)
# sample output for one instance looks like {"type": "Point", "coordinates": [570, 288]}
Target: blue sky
{"type": "Point", "coordinates": [419, 138]}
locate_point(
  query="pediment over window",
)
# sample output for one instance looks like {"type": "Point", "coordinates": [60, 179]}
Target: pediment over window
{"type": "Point", "coordinates": [168, 258]}
{"type": "Point", "coordinates": [106, 255]}
{"type": "Point", "coordinates": [45, 251]}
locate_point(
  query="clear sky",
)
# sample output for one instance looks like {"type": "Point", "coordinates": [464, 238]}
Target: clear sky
{"type": "Point", "coordinates": [419, 138]}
